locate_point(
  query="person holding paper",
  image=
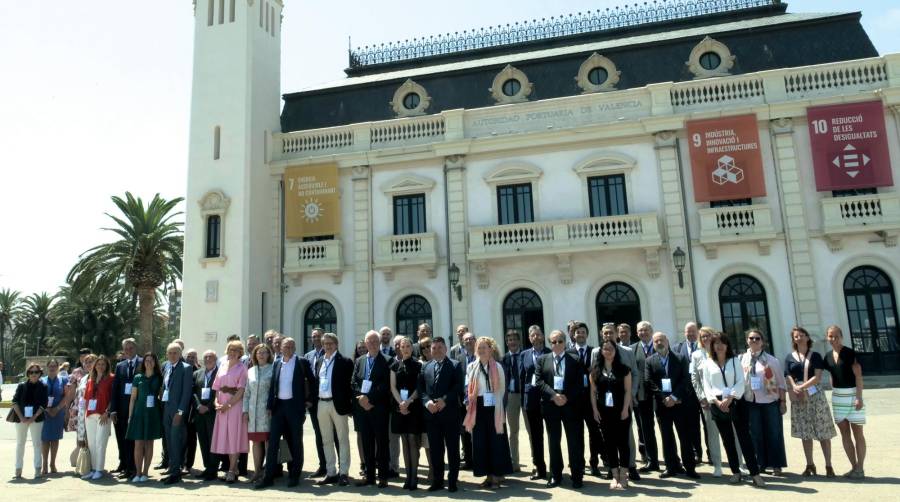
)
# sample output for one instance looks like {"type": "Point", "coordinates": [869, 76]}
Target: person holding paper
{"type": "Point", "coordinates": [144, 414]}
{"type": "Point", "coordinates": [98, 403]}
{"type": "Point", "coordinates": [54, 415]}
{"type": "Point", "coordinates": [371, 389]}
{"type": "Point", "coordinates": [335, 404]}
{"type": "Point", "coordinates": [560, 379]}
{"type": "Point", "coordinates": [723, 388]}
{"type": "Point", "coordinates": [765, 400]}
{"type": "Point", "coordinates": [122, 386]}
{"type": "Point", "coordinates": [667, 378]}
{"type": "Point", "coordinates": [29, 402]}
{"type": "Point", "coordinates": [406, 409]}
{"type": "Point", "coordinates": [256, 416]}
{"type": "Point", "coordinates": [230, 430]}
{"type": "Point", "coordinates": [531, 400]}
{"type": "Point", "coordinates": [611, 408]}
{"type": "Point", "coordinates": [810, 415]}
{"type": "Point", "coordinates": [204, 415]}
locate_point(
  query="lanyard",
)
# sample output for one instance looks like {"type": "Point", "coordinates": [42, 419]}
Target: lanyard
{"type": "Point", "coordinates": [208, 376]}
{"type": "Point", "coordinates": [559, 361]}
{"type": "Point", "coordinates": [487, 378]}
{"type": "Point", "coordinates": [722, 370]}
{"type": "Point", "coordinates": [665, 363]}
{"type": "Point", "coordinates": [326, 365]}
{"type": "Point", "coordinates": [370, 362]}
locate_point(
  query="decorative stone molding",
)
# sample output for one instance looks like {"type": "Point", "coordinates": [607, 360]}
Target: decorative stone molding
{"type": "Point", "coordinates": [452, 162]}
{"type": "Point", "coordinates": [410, 87]}
{"type": "Point", "coordinates": [664, 139]}
{"type": "Point", "coordinates": [564, 267]}
{"type": "Point", "coordinates": [360, 173]}
{"type": "Point", "coordinates": [597, 61]}
{"type": "Point", "coordinates": [511, 73]}
{"type": "Point", "coordinates": [605, 163]}
{"type": "Point", "coordinates": [726, 59]}
{"type": "Point", "coordinates": [481, 273]}
{"type": "Point", "coordinates": [407, 184]}
{"type": "Point", "coordinates": [214, 203]}
{"type": "Point", "coordinates": [651, 255]}
{"type": "Point", "coordinates": [783, 125]}
{"type": "Point", "coordinates": [212, 291]}
{"type": "Point", "coordinates": [511, 173]}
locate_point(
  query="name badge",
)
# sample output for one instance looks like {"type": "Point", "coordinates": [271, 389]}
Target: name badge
{"type": "Point", "coordinates": [81, 404]}
{"type": "Point", "coordinates": [92, 405]}
{"type": "Point", "coordinates": [585, 380]}
{"type": "Point", "coordinates": [728, 391]}
{"type": "Point", "coordinates": [467, 380]}
{"type": "Point", "coordinates": [165, 397]}
{"type": "Point", "coordinates": [489, 399]}
{"type": "Point", "coordinates": [812, 390]}
{"type": "Point", "coordinates": [324, 385]}
{"type": "Point", "coordinates": [151, 401]}
{"type": "Point", "coordinates": [204, 393]}
{"type": "Point", "coordinates": [756, 383]}
{"type": "Point", "coordinates": [512, 385]}
{"type": "Point", "coordinates": [557, 383]}
{"type": "Point", "coordinates": [404, 394]}
{"type": "Point", "coordinates": [127, 389]}
{"type": "Point", "coordinates": [609, 399]}
{"type": "Point", "coordinates": [667, 385]}
{"type": "Point", "coordinates": [49, 401]}
{"type": "Point", "coordinates": [534, 380]}
{"type": "Point", "coordinates": [366, 386]}
{"type": "Point", "coordinates": [29, 411]}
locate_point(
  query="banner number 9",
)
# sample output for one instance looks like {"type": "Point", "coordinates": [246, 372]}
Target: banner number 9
{"type": "Point", "coordinates": [697, 140]}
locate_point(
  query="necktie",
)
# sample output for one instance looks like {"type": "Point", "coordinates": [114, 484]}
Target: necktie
{"type": "Point", "coordinates": [693, 347]}
{"type": "Point", "coordinates": [558, 364]}
{"type": "Point", "coordinates": [437, 372]}
{"type": "Point", "coordinates": [581, 353]}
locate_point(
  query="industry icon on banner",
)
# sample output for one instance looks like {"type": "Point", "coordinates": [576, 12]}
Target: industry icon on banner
{"type": "Point", "coordinates": [851, 161]}
{"type": "Point", "coordinates": [727, 171]}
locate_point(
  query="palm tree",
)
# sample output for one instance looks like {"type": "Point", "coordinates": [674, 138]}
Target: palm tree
{"type": "Point", "coordinates": [93, 317]}
{"type": "Point", "coordinates": [9, 309]}
{"type": "Point", "coordinates": [147, 255]}
{"type": "Point", "coordinates": [36, 319]}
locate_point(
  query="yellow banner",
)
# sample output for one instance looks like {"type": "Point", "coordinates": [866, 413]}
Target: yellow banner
{"type": "Point", "coordinates": [312, 201]}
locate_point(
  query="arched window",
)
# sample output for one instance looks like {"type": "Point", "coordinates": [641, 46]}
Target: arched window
{"type": "Point", "coordinates": [872, 312]}
{"type": "Point", "coordinates": [618, 303]}
{"type": "Point", "coordinates": [411, 312]}
{"type": "Point", "coordinates": [742, 301]}
{"type": "Point", "coordinates": [319, 314]}
{"type": "Point", "coordinates": [522, 308]}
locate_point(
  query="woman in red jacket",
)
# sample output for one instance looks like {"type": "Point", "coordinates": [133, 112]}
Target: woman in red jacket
{"type": "Point", "coordinates": [97, 398]}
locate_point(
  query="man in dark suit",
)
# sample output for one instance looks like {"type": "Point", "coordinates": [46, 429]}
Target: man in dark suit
{"type": "Point", "coordinates": [371, 391]}
{"type": "Point", "coordinates": [178, 383]}
{"type": "Point", "coordinates": [643, 349]}
{"type": "Point", "coordinates": [204, 415]}
{"type": "Point", "coordinates": [313, 356]}
{"type": "Point", "coordinates": [465, 356]}
{"type": "Point", "coordinates": [121, 398]}
{"type": "Point", "coordinates": [531, 400]}
{"type": "Point", "coordinates": [292, 392]}
{"type": "Point", "coordinates": [386, 337]}
{"type": "Point", "coordinates": [595, 440]}
{"type": "Point", "coordinates": [692, 409]}
{"type": "Point", "coordinates": [461, 330]}
{"type": "Point", "coordinates": [560, 378]}
{"type": "Point", "coordinates": [439, 388]}
{"type": "Point", "coordinates": [512, 363]}
{"type": "Point", "coordinates": [668, 379]}
{"type": "Point", "coordinates": [333, 375]}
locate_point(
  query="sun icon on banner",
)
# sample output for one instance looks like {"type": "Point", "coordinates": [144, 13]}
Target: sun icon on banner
{"type": "Point", "coordinates": [312, 210]}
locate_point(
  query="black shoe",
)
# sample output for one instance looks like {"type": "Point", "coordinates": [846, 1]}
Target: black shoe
{"type": "Point", "coordinates": [294, 481]}
{"type": "Point", "coordinates": [119, 469]}
{"type": "Point", "coordinates": [452, 488]}
{"type": "Point", "coordinates": [595, 471]}
{"type": "Point", "coordinates": [365, 482]}
{"type": "Point", "coordinates": [263, 483]}
{"type": "Point", "coordinates": [159, 467]}
{"type": "Point", "coordinates": [668, 474]}
{"type": "Point", "coordinates": [362, 472]}
{"type": "Point", "coordinates": [633, 474]}
{"type": "Point", "coordinates": [319, 473]}
{"type": "Point", "coordinates": [691, 473]}
{"type": "Point", "coordinates": [382, 483]}
{"type": "Point", "coordinates": [392, 474]}
{"type": "Point", "coordinates": [210, 475]}
{"type": "Point", "coordinates": [465, 466]}
{"type": "Point", "coordinates": [436, 487]}
{"type": "Point", "coordinates": [609, 475]}
{"type": "Point", "coordinates": [343, 480]}
{"type": "Point", "coordinates": [553, 483]}
{"type": "Point", "coordinates": [577, 483]}
{"type": "Point", "coordinates": [171, 480]}
{"type": "Point", "coordinates": [650, 467]}
{"type": "Point", "coordinates": [330, 480]}
{"type": "Point", "coordinates": [537, 476]}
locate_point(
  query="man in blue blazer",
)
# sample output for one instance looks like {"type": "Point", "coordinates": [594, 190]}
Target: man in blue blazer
{"type": "Point", "coordinates": [121, 399]}
{"type": "Point", "coordinates": [371, 391]}
{"type": "Point", "coordinates": [692, 410]}
{"type": "Point", "coordinates": [531, 400]}
{"type": "Point", "coordinates": [177, 392]}
{"type": "Point", "coordinates": [440, 384]}
{"type": "Point", "coordinates": [313, 356]}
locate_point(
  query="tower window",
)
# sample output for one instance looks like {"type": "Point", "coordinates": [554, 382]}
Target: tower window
{"type": "Point", "coordinates": [213, 226]}
{"type": "Point", "coordinates": [217, 142]}
{"type": "Point", "coordinates": [221, 11]}
{"type": "Point", "coordinates": [231, 12]}
{"type": "Point", "coordinates": [212, 13]}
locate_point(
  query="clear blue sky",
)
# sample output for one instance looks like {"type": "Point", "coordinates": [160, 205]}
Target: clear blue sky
{"type": "Point", "coordinates": [95, 99]}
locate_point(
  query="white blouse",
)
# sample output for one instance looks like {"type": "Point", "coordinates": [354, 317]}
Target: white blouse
{"type": "Point", "coordinates": [723, 382]}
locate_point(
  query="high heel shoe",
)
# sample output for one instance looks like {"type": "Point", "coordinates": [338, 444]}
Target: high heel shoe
{"type": "Point", "coordinates": [829, 472]}
{"type": "Point", "coordinates": [809, 471]}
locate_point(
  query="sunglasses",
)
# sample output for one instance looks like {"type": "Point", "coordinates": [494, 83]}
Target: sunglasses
{"type": "Point", "coordinates": [557, 342]}
{"type": "Point", "coordinates": [34, 372]}
{"type": "Point", "coordinates": [754, 338]}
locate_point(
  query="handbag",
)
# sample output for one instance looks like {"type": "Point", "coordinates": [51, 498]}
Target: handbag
{"type": "Point", "coordinates": [83, 464]}
{"type": "Point", "coordinates": [284, 452]}
{"type": "Point", "coordinates": [12, 417]}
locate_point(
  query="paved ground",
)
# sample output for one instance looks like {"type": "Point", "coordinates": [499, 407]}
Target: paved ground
{"type": "Point", "coordinates": [882, 468]}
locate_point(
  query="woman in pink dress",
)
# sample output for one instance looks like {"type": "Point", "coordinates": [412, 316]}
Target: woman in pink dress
{"type": "Point", "coordinates": [230, 431]}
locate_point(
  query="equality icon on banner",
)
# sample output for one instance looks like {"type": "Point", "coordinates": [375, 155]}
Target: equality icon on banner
{"type": "Point", "coordinates": [850, 160]}
{"type": "Point", "coordinates": [727, 171]}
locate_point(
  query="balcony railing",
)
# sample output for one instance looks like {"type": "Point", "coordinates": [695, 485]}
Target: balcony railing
{"type": "Point", "coordinates": [727, 225]}
{"type": "Point", "coordinates": [861, 214]}
{"type": "Point", "coordinates": [315, 256]}
{"type": "Point", "coordinates": [406, 251]}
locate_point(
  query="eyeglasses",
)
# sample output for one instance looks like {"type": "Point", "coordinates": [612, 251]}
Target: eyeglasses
{"type": "Point", "coordinates": [557, 342]}
{"type": "Point", "coordinates": [34, 372]}
{"type": "Point", "coordinates": [754, 338]}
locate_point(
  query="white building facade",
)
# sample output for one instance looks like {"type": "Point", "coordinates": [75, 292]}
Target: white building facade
{"type": "Point", "coordinates": [551, 209]}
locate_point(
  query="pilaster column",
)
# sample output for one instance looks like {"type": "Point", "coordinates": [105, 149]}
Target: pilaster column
{"type": "Point", "coordinates": [675, 224]}
{"type": "Point", "coordinates": [274, 314]}
{"type": "Point", "coordinates": [796, 228]}
{"type": "Point", "coordinates": [457, 227]}
{"type": "Point", "coordinates": [362, 252]}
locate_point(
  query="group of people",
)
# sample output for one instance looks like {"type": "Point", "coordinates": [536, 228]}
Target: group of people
{"type": "Point", "coordinates": [463, 404]}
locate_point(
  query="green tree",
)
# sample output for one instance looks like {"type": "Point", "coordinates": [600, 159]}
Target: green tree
{"type": "Point", "coordinates": [35, 324]}
{"type": "Point", "coordinates": [9, 309]}
{"type": "Point", "coordinates": [93, 317]}
{"type": "Point", "coordinates": [147, 254]}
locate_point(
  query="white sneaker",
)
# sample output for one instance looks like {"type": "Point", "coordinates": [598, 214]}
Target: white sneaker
{"type": "Point", "coordinates": [97, 475]}
{"type": "Point", "coordinates": [144, 479]}
{"type": "Point", "coordinates": [717, 472]}
{"type": "Point", "coordinates": [88, 475]}
{"type": "Point", "coordinates": [136, 479]}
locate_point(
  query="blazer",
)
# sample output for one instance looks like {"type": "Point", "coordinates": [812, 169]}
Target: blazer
{"type": "Point", "coordinates": [654, 372]}
{"type": "Point", "coordinates": [311, 356]}
{"type": "Point", "coordinates": [341, 376]}
{"type": "Point", "coordinates": [573, 378]}
{"type": "Point", "coordinates": [683, 349]}
{"type": "Point", "coordinates": [626, 355]}
{"type": "Point", "coordinates": [513, 379]}
{"type": "Point", "coordinates": [585, 362]}
{"type": "Point", "coordinates": [181, 384]}
{"type": "Point", "coordinates": [199, 383]}
{"type": "Point", "coordinates": [447, 387]}
{"type": "Point", "coordinates": [715, 383]}
{"type": "Point", "coordinates": [640, 360]}
{"type": "Point", "coordinates": [531, 394]}
{"type": "Point", "coordinates": [120, 400]}
{"type": "Point", "coordinates": [379, 394]}
{"type": "Point", "coordinates": [303, 386]}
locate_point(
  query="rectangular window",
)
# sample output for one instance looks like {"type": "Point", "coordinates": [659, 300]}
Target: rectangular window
{"type": "Point", "coordinates": [217, 142]}
{"type": "Point", "coordinates": [409, 214]}
{"type": "Point", "coordinates": [221, 11]}
{"type": "Point", "coordinates": [213, 227]}
{"type": "Point", "coordinates": [231, 12]}
{"type": "Point", "coordinates": [317, 238]}
{"type": "Point", "coordinates": [514, 204]}
{"type": "Point", "coordinates": [854, 192]}
{"type": "Point", "coordinates": [211, 15]}
{"type": "Point", "coordinates": [607, 195]}
{"type": "Point", "coordinates": [731, 203]}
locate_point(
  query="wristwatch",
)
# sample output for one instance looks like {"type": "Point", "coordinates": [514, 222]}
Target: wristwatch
{"type": "Point", "coordinates": [180, 413]}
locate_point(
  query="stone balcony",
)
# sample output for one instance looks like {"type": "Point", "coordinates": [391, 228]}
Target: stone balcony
{"type": "Point", "coordinates": [562, 238]}
{"type": "Point", "coordinates": [862, 214]}
{"type": "Point", "coordinates": [731, 225]}
{"type": "Point", "coordinates": [315, 256]}
{"type": "Point", "coordinates": [413, 250]}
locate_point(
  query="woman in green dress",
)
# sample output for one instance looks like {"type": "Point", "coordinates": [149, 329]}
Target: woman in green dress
{"type": "Point", "coordinates": [145, 410]}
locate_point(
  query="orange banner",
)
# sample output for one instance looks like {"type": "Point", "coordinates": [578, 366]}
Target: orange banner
{"type": "Point", "coordinates": [725, 158]}
{"type": "Point", "coordinates": [312, 201]}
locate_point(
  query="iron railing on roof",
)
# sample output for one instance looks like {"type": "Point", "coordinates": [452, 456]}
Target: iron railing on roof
{"type": "Point", "coordinates": [557, 26]}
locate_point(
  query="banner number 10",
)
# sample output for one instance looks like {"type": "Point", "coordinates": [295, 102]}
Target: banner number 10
{"type": "Point", "coordinates": [820, 126]}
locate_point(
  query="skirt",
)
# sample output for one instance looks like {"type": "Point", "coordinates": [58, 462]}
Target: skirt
{"type": "Point", "coordinates": [811, 418]}
{"type": "Point", "coordinates": [491, 457]}
{"type": "Point", "coordinates": [258, 436]}
{"type": "Point", "coordinates": [842, 406]}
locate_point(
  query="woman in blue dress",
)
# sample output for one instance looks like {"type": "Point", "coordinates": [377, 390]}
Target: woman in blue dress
{"type": "Point", "coordinates": [54, 418]}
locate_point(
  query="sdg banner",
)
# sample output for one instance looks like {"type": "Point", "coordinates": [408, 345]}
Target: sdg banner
{"type": "Point", "coordinates": [849, 146]}
{"type": "Point", "coordinates": [726, 162]}
{"type": "Point", "coordinates": [312, 201]}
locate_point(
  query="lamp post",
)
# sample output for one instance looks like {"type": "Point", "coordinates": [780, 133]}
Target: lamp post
{"type": "Point", "coordinates": [454, 281]}
{"type": "Point", "coordinates": [678, 258]}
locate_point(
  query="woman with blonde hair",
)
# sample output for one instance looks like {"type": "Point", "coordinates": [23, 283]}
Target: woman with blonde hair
{"type": "Point", "coordinates": [256, 414]}
{"type": "Point", "coordinates": [230, 430]}
{"type": "Point", "coordinates": [846, 399]}
{"type": "Point", "coordinates": [485, 415]}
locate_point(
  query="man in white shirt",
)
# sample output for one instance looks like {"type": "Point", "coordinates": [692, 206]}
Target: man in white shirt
{"type": "Point", "coordinates": [386, 335]}
{"type": "Point", "coordinates": [334, 407]}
